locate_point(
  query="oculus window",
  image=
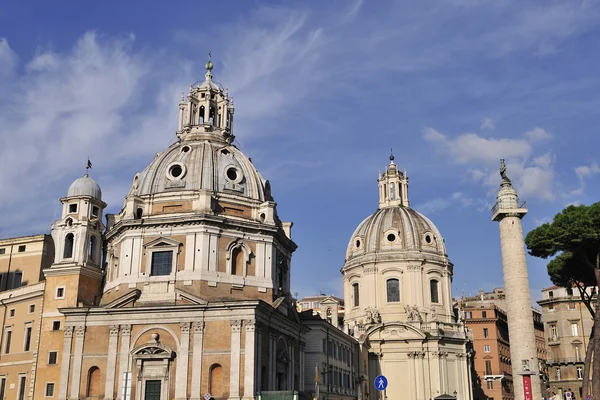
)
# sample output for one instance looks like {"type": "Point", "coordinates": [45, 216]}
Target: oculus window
{"type": "Point", "coordinates": [393, 290]}
{"type": "Point", "coordinates": [162, 262]}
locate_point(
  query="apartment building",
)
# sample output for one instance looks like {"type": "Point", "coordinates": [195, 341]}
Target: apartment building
{"type": "Point", "coordinates": [568, 327]}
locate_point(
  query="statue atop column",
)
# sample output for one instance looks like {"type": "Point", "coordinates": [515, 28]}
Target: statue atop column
{"type": "Point", "coordinates": [505, 178]}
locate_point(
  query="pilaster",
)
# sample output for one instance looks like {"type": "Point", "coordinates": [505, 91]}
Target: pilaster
{"type": "Point", "coordinates": [197, 360]}
{"type": "Point", "coordinates": [65, 363]}
{"type": "Point", "coordinates": [182, 362]}
{"type": "Point", "coordinates": [111, 362]}
{"type": "Point", "coordinates": [249, 361]}
{"type": "Point", "coordinates": [234, 375]}
{"type": "Point", "coordinates": [124, 357]}
{"type": "Point", "coordinates": [77, 359]}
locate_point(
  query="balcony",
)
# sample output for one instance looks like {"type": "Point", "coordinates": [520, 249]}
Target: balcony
{"type": "Point", "coordinates": [565, 361]}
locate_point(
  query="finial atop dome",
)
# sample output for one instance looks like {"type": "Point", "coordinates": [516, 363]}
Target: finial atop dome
{"type": "Point", "coordinates": [392, 155]}
{"type": "Point", "coordinates": [209, 65]}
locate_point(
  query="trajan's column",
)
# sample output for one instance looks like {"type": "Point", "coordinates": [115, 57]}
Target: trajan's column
{"type": "Point", "coordinates": [508, 212]}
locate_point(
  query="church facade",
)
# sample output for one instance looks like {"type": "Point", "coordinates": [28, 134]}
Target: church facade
{"type": "Point", "coordinates": [398, 302]}
{"type": "Point", "coordinates": [184, 294]}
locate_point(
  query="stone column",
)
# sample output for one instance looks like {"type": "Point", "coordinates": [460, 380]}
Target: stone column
{"type": "Point", "coordinates": [249, 360]}
{"type": "Point", "coordinates": [77, 359]}
{"type": "Point", "coordinates": [302, 350]}
{"type": "Point", "coordinates": [444, 377]}
{"type": "Point", "coordinates": [65, 363]}
{"type": "Point", "coordinates": [420, 375]}
{"type": "Point", "coordinates": [258, 360]}
{"type": "Point", "coordinates": [197, 361]}
{"type": "Point", "coordinates": [124, 357]}
{"type": "Point", "coordinates": [182, 362]}
{"type": "Point", "coordinates": [111, 362]}
{"type": "Point", "coordinates": [460, 387]}
{"type": "Point", "coordinates": [291, 369]}
{"type": "Point", "coordinates": [272, 360]}
{"type": "Point", "coordinates": [412, 392]}
{"type": "Point", "coordinates": [234, 374]}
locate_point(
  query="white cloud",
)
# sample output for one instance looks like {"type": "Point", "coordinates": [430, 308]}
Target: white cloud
{"type": "Point", "coordinates": [537, 134]}
{"type": "Point", "coordinates": [8, 59]}
{"type": "Point", "coordinates": [584, 172]}
{"type": "Point", "coordinates": [457, 200]}
{"type": "Point", "coordinates": [488, 124]}
{"type": "Point", "coordinates": [533, 176]}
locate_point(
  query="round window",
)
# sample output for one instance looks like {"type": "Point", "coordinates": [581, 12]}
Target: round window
{"type": "Point", "coordinates": [357, 243]}
{"type": "Point", "coordinates": [391, 237]}
{"type": "Point", "coordinates": [428, 239]}
{"type": "Point", "coordinates": [232, 174]}
{"type": "Point", "coordinates": [185, 149]}
{"type": "Point", "coordinates": [176, 171]}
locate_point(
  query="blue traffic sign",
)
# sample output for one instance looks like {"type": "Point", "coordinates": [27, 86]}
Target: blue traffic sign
{"type": "Point", "coordinates": [381, 382]}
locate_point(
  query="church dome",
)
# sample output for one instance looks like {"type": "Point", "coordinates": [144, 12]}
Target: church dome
{"type": "Point", "coordinates": [393, 229]}
{"type": "Point", "coordinates": [85, 186]}
{"type": "Point", "coordinates": [195, 165]}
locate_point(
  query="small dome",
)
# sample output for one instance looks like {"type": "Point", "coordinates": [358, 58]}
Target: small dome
{"type": "Point", "coordinates": [85, 186]}
{"type": "Point", "coordinates": [395, 229]}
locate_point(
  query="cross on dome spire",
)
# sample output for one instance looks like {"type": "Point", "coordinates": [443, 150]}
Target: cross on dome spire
{"type": "Point", "coordinates": [393, 186]}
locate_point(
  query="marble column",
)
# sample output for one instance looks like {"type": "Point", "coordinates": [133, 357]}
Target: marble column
{"type": "Point", "coordinates": [249, 358]}
{"type": "Point", "coordinates": [111, 362]}
{"type": "Point", "coordinates": [258, 360]}
{"type": "Point", "coordinates": [77, 360]}
{"type": "Point", "coordinates": [234, 374]}
{"type": "Point", "coordinates": [124, 357]}
{"type": "Point", "coordinates": [197, 361]}
{"type": "Point", "coordinates": [183, 354]}
{"type": "Point", "coordinates": [65, 363]}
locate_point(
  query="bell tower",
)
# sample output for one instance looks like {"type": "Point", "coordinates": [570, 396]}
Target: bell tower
{"type": "Point", "coordinates": [78, 245]}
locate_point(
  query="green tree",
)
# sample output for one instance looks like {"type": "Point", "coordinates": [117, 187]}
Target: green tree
{"type": "Point", "coordinates": [573, 237]}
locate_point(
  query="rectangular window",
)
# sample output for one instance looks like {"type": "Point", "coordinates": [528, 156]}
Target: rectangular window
{"type": "Point", "coordinates": [56, 325]}
{"type": "Point", "coordinates": [571, 306]}
{"type": "Point", "coordinates": [2, 387]}
{"type": "Point", "coordinates": [7, 340]}
{"type": "Point", "coordinates": [22, 382]}
{"type": "Point", "coordinates": [393, 290]}
{"type": "Point", "coordinates": [17, 280]}
{"type": "Point", "coordinates": [52, 357]}
{"type": "Point", "coordinates": [488, 367]}
{"type": "Point", "coordinates": [574, 330]}
{"type": "Point", "coordinates": [161, 263]}
{"type": "Point", "coordinates": [27, 343]}
{"type": "Point", "coordinates": [31, 308]}
{"type": "Point", "coordinates": [551, 294]}
{"type": "Point", "coordinates": [72, 208]}
{"type": "Point", "coordinates": [486, 348]}
{"type": "Point", "coordinates": [433, 291]}
{"type": "Point", "coordinates": [550, 307]}
{"type": "Point", "coordinates": [60, 293]}
{"type": "Point", "coordinates": [356, 293]}
{"type": "Point", "coordinates": [22, 248]}
{"type": "Point", "coordinates": [3, 251]}
{"type": "Point", "coordinates": [486, 333]}
{"type": "Point", "coordinates": [95, 211]}
{"type": "Point", "coordinates": [11, 312]}
{"type": "Point", "coordinates": [490, 384]}
{"type": "Point", "coordinates": [484, 314]}
{"type": "Point", "coordinates": [569, 292]}
{"type": "Point", "coordinates": [49, 389]}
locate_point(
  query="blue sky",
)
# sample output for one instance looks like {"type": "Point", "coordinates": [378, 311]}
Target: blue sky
{"type": "Point", "coordinates": [322, 90]}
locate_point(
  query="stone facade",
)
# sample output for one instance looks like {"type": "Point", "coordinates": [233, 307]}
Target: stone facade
{"type": "Point", "coordinates": [398, 301]}
{"type": "Point", "coordinates": [568, 326]}
{"type": "Point", "coordinates": [184, 292]}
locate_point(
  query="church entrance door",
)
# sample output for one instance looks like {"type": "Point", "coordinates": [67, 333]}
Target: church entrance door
{"type": "Point", "coordinates": [152, 390]}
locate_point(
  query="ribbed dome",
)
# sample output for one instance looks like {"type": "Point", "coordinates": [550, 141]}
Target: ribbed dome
{"type": "Point", "coordinates": [395, 229]}
{"type": "Point", "coordinates": [201, 164]}
{"type": "Point", "coordinates": [85, 186]}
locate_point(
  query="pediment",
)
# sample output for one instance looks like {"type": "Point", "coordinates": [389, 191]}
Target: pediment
{"type": "Point", "coordinates": [122, 301]}
{"type": "Point", "coordinates": [163, 242]}
{"type": "Point", "coordinates": [329, 300]}
{"type": "Point", "coordinates": [190, 298]}
{"type": "Point", "coordinates": [395, 331]}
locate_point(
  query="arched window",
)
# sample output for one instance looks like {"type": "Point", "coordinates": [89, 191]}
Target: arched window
{"type": "Point", "coordinates": [138, 213]}
{"type": "Point", "coordinates": [393, 290]}
{"type": "Point", "coordinates": [201, 118]}
{"type": "Point", "coordinates": [69, 222]}
{"type": "Point", "coordinates": [215, 380]}
{"type": "Point", "coordinates": [69, 240]}
{"type": "Point", "coordinates": [392, 191]}
{"type": "Point", "coordinates": [237, 262]}
{"type": "Point", "coordinates": [329, 318]}
{"type": "Point", "coordinates": [211, 115]}
{"type": "Point", "coordinates": [92, 249]}
{"type": "Point", "coordinates": [433, 289]}
{"type": "Point", "coordinates": [94, 383]}
{"type": "Point", "coordinates": [356, 292]}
